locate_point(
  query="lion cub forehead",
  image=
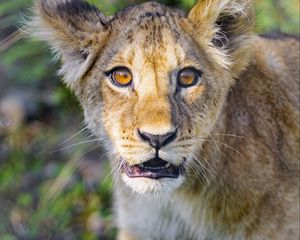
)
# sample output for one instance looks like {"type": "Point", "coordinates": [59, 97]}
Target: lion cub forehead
{"type": "Point", "coordinates": [145, 15]}
{"type": "Point", "coordinates": [152, 57]}
{"type": "Point", "coordinates": [145, 33]}
{"type": "Point", "coordinates": [154, 50]}
{"type": "Point", "coordinates": [148, 10]}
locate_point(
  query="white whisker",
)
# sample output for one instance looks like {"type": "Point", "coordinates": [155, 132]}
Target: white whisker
{"type": "Point", "coordinates": [75, 145]}
{"type": "Point", "coordinates": [76, 134]}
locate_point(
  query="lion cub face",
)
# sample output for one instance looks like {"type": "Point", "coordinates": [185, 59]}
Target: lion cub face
{"type": "Point", "coordinates": [150, 82]}
{"type": "Point", "coordinates": [160, 98]}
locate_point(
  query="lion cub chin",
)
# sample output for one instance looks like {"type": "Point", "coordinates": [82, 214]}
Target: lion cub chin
{"type": "Point", "coordinates": [153, 186]}
{"type": "Point", "coordinates": [199, 116]}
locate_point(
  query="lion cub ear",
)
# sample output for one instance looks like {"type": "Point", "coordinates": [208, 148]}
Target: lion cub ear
{"type": "Point", "coordinates": [227, 25]}
{"type": "Point", "coordinates": [75, 29]}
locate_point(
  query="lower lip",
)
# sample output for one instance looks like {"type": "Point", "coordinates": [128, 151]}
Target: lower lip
{"type": "Point", "coordinates": [138, 172]}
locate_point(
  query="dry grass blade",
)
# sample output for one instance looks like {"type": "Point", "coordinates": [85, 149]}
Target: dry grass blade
{"type": "Point", "coordinates": [9, 41]}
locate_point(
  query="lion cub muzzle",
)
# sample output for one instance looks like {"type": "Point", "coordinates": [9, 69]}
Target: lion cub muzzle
{"type": "Point", "coordinates": [156, 167]}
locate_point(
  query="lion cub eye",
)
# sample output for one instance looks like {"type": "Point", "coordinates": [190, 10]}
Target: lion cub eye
{"type": "Point", "coordinates": [120, 76]}
{"type": "Point", "coordinates": [188, 77]}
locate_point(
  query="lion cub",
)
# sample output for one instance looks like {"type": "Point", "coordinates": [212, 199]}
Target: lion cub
{"type": "Point", "coordinates": [200, 116]}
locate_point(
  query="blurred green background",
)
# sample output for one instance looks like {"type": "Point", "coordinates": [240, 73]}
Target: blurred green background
{"type": "Point", "coordinates": [55, 181]}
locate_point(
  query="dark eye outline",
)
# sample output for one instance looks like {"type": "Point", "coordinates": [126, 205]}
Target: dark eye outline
{"type": "Point", "coordinates": [197, 77]}
{"type": "Point", "coordinates": [110, 74]}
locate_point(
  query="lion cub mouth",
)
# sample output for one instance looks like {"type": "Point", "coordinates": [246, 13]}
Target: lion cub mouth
{"type": "Point", "coordinates": [154, 168]}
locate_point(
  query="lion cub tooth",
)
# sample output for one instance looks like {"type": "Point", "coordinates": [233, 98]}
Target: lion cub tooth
{"type": "Point", "coordinates": [142, 165]}
{"type": "Point", "coordinates": [167, 165]}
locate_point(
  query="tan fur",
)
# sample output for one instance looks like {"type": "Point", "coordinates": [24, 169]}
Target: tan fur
{"type": "Point", "coordinates": [238, 129]}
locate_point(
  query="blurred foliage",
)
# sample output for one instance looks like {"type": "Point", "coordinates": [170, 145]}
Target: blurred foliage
{"type": "Point", "coordinates": [48, 187]}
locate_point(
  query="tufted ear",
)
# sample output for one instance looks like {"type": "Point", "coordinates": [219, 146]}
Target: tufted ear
{"type": "Point", "coordinates": [227, 25]}
{"type": "Point", "coordinates": [75, 29]}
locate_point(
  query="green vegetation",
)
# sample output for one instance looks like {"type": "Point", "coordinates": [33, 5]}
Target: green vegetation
{"type": "Point", "coordinates": [51, 188]}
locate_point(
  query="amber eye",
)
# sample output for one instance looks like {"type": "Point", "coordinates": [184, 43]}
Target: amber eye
{"type": "Point", "coordinates": [121, 76]}
{"type": "Point", "coordinates": [188, 77]}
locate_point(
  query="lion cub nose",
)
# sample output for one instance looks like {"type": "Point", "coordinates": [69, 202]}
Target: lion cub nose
{"type": "Point", "coordinates": [157, 141]}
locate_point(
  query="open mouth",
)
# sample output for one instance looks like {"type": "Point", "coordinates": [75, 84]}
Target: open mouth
{"type": "Point", "coordinates": [154, 168]}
